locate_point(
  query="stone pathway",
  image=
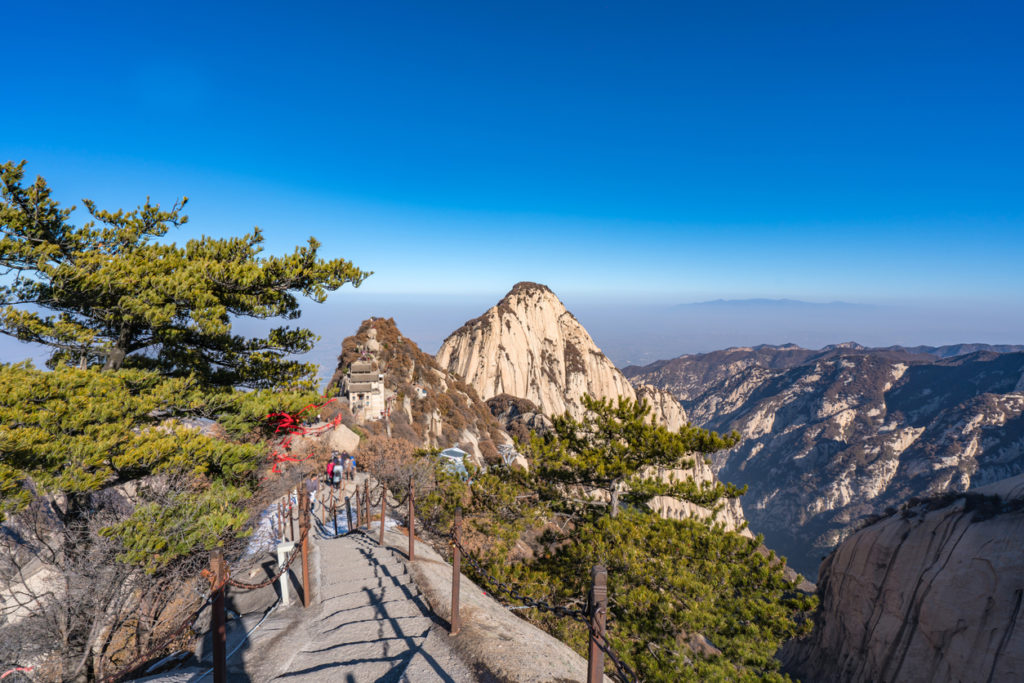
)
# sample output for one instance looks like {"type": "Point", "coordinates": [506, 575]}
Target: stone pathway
{"type": "Point", "coordinates": [371, 622]}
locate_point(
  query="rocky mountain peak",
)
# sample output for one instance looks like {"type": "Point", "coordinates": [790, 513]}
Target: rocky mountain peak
{"type": "Point", "coordinates": [423, 404]}
{"type": "Point", "coordinates": [529, 288]}
{"type": "Point", "coordinates": [529, 346]}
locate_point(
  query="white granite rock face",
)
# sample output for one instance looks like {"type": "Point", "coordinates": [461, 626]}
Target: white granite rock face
{"type": "Point", "coordinates": [933, 593]}
{"type": "Point", "coordinates": [530, 346]}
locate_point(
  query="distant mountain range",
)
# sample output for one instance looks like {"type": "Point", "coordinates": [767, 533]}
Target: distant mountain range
{"type": "Point", "coordinates": [764, 303]}
{"type": "Point", "coordinates": [833, 436]}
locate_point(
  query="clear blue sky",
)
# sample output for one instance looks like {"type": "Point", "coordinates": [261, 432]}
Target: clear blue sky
{"type": "Point", "coordinates": [869, 152]}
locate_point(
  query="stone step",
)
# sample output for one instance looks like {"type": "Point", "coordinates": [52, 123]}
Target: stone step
{"type": "Point", "coordinates": [362, 625]}
{"type": "Point", "coordinates": [346, 583]}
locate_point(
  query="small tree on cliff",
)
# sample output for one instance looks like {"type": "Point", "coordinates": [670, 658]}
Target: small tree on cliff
{"type": "Point", "coordinates": [118, 297]}
{"type": "Point", "coordinates": [108, 492]}
{"type": "Point", "coordinates": [614, 451]}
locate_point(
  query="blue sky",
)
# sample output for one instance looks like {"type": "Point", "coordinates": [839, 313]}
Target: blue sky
{"type": "Point", "coordinates": [868, 152]}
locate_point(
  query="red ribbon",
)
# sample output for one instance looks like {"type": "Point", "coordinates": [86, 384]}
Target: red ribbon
{"type": "Point", "coordinates": [290, 425]}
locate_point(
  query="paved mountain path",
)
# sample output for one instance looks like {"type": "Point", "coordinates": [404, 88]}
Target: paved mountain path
{"type": "Point", "coordinates": [371, 622]}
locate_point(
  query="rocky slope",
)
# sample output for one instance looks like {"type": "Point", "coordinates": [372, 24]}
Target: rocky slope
{"type": "Point", "coordinates": [931, 593]}
{"type": "Point", "coordinates": [430, 407]}
{"type": "Point", "coordinates": [529, 346]}
{"type": "Point", "coordinates": [832, 437]}
{"type": "Point", "coordinates": [531, 358]}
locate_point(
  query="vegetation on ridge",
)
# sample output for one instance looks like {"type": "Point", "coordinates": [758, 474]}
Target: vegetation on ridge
{"type": "Point", "coordinates": [141, 449]}
{"type": "Point", "coordinates": [687, 599]}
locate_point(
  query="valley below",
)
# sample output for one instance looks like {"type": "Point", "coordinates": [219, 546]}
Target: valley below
{"type": "Point", "coordinates": [833, 438]}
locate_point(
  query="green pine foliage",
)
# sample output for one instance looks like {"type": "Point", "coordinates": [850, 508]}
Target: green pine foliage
{"type": "Point", "coordinates": [613, 451]}
{"type": "Point", "coordinates": [110, 293]}
{"type": "Point", "coordinates": [670, 582]}
{"type": "Point", "coordinates": [70, 435]}
{"type": "Point", "coordinates": [688, 601]}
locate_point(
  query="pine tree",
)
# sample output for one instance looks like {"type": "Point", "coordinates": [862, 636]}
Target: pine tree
{"type": "Point", "coordinates": [616, 451]}
{"type": "Point", "coordinates": [112, 492]}
{"type": "Point", "coordinates": [102, 477]}
{"type": "Point", "coordinates": [689, 601]}
{"type": "Point", "coordinates": [109, 293]}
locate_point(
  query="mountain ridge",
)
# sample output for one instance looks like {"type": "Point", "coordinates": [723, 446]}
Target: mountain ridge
{"type": "Point", "coordinates": [834, 436]}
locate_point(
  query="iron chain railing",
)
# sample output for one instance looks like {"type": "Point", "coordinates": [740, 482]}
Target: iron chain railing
{"type": "Point", "coordinates": [296, 551]}
{"type": "Point", "coordinates": [622, 670]}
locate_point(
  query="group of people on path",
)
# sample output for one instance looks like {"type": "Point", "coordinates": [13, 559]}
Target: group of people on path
{"type": "Point", "coordinates": [339, 467]}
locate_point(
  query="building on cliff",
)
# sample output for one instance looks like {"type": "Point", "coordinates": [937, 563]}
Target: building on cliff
{"type": "Point", "coordinates": [364, 388]}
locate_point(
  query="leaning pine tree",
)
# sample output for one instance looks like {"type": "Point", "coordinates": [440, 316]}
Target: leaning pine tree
{"type": "Point", "coordinates": [109, 293]}
{"type": "Point", "coordinates": [109, 494]}
{"type": "Point", "coordinates": [689, 600]}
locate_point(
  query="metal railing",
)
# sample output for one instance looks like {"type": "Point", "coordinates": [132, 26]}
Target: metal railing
{"type": "Point", "coordinates": [594, 617]}
{"type": "Point", "coordinates": [219, 576]}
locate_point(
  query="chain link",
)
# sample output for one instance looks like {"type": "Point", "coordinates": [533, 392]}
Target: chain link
{"type": "Point", "coordinates": [623, 671]}
{"type": "Point", "coordinates": [254, 586]}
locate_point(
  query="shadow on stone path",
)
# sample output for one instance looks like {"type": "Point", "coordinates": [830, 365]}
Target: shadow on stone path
{"type": "Point", "coordinates": [371, 623]}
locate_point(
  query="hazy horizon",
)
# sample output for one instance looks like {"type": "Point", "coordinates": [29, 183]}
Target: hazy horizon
{"type": "Point", "coordinates": [640, 331]}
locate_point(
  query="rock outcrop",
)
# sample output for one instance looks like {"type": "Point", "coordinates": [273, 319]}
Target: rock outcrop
{"type": "Point", "coordinates": [531, 347]}
{"type": "Point", "coordinates": [834, 436]}
{"type": "Point", "coordinates": [930, 593]}
{"type": "Point", "coordinates": [529, 357]}
{"type": "Point", "coordinates": [427, 406]}
{"type": "Point", "coordinates": [519, 417]}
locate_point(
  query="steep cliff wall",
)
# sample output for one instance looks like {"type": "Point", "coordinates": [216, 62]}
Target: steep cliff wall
{"type": "Point", "coordinates": [835, 436]}
{"type": "Point", "coordinates": [529, 346]}
{"type": "Point", "coordinates": [931, 593]}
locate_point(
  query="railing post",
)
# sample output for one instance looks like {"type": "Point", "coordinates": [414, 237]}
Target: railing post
{"type": "Point", "coordinates": [283, 550]}
{"type": "Point", "coordinates": [291, 515]}
{"type": "Point", "coordinates": [304, 529]}
{"type": "Point", "coordinates": [218, 632]}
{"type": "Point", "coordinates": [597, 608]}
{"type": "Point", "coordinates": [334, 511]}
{"type": "Point", "coordinates": [348, 513]}
{"type": "Point", "coordinates": [280, 521]}
{"type": "Point", "coordinates": [412, 523]}
{"type": "Point", "coordinates": [366, 500]}
{"type": "Point", "coordinates": [383, 503]}
{"type": "Point", "coordinates": [456, 619]}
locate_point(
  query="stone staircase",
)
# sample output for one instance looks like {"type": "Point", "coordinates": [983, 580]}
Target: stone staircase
{"type": "Point", "coordinates": [371, 622]}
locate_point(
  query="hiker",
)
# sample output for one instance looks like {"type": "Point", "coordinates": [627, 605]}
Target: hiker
{"type": "Point", "coordinates": [345, 457]}
{"type": "Point", "coordinates": [337, 472]}
{"type": "Point", "coordinates": [312, 486]}
{"type": "Point", "coordinates": [330, 469]}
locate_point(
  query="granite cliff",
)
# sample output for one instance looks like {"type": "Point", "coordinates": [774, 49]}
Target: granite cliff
{"type": "Point", "coordinates": [428, 406]}
{"type": "Point", "coordinates": [529, 346]}
{"type": "Point", "coordinates": [930, 593]}
{"type": "Point", "coordinates": [837, 435]}
{"type": "Point", "coordinates": [530, 358]}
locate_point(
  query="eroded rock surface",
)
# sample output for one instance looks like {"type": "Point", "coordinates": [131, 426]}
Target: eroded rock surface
{"type": "Point", "coordinates": [531, 347]}
{"type": "Point", "coordinates": [529, 357]}
{"type": "Point", "coordinates": [834, 436]}
{"type": "Point", "coordinates": [931, 593]}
